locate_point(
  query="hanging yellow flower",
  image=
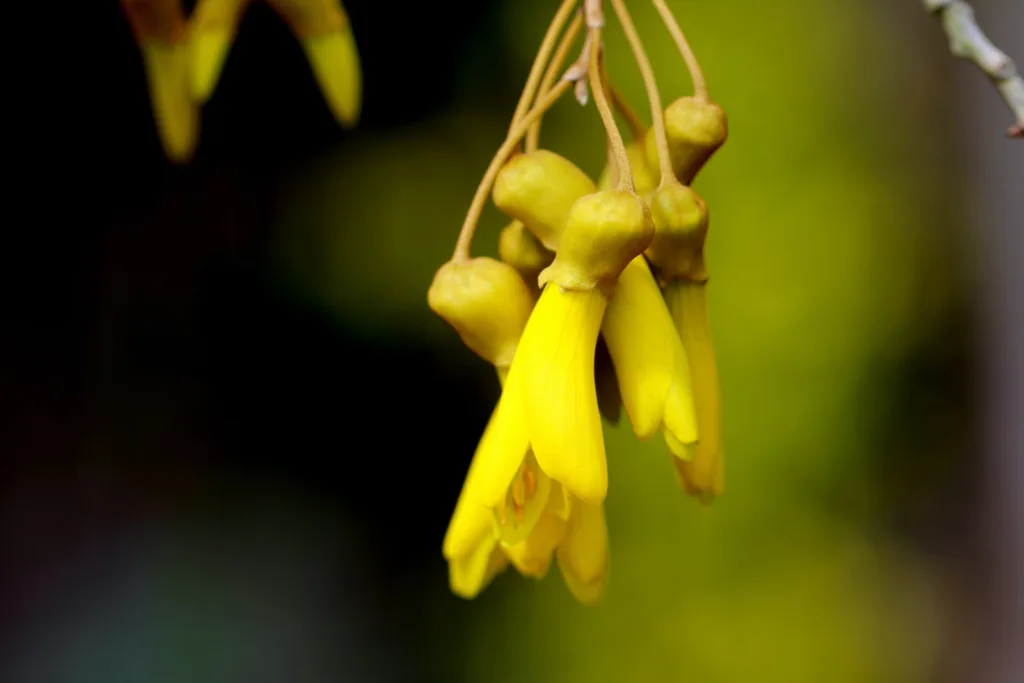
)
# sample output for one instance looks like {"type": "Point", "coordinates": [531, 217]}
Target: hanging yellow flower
{"type": "Point", "coordinates": [538, 480]}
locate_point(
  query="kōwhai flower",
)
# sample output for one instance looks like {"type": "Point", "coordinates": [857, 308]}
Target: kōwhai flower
{"type": "Point", "coordinates": [160, 30]}
{"type": "Point", "coordinates": [321, 27]}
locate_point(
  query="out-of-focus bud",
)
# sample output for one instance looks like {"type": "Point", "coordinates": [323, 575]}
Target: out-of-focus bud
{"type": "Point", "coordinates": [486, 302]}
{"type": "Point", "coordinates": [538, 189]}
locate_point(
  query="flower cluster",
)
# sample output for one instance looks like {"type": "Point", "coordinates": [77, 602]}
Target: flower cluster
{"type": "Point", "coordinates": [598, 301]}
{"type": "Point", "coordinates": [183, 58]}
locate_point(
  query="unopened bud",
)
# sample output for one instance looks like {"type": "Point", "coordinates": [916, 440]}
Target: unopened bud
{"type": "Point", "coordinates": [681, 225]}
{"type": "Point", "coordinates": [486, 302]}
{"type": "Point", "coordinates": [695, 129]}
{"type": "Point", "coordinates": [603, 233]}
{"type": "Point", "coordinates": [538, 189]}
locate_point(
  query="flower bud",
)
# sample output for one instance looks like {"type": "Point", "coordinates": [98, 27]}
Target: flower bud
{"type": "Point", "coordinates": [520, 249]}
{"type": "Point", "coordinates": [681, 224]}
{"type": "Point", "coordinates": [695, 129]}
{"type": "Point", "coordinates": [486, 302]}
{"type": "Point", "coordinates": [538, 189]}
{"type": "Point", "coordinates": [603, 233]}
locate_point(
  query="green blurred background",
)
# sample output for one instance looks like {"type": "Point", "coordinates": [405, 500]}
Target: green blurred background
{"type": "Point", "coordinates": [234, 455]}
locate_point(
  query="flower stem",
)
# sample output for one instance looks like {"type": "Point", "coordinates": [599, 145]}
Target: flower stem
{"type": "Point", "coordinates": [651, 86]}
{"type": "Point", "coordinates": [637, 129]}
{"type": "Point", "coordinates": [618, 147]}
{"type": "Point", "coordinates": [540, 61]}
{"type": "Point", "coordinates": [462, 245]}
{"type": "Point", "coordinates": [553, 71]}
{"type": "Point", "coordinates": [700, 86]}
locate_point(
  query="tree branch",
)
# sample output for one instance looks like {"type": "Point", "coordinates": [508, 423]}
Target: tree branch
{"type": "Point", "coordinates": [966, 40]}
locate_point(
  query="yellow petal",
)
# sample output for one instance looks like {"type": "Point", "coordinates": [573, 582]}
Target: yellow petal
{"type": "Point", "coordinates": [583, 553]}
{"type": "Point", "coordinates": [335, 62]}
{"type": "Point", "coordinates": [532, 555]}
{"type": "Point", "coordinates": [471, 522]}
{"type": "Point", "coordinates": [470, 574]}
{"type": "Point", "coordinates": [209, 52]}
{"type": "Point", "coordinates": [213, 25]}
{"type": "Point", "coordinates": [498, 457]}
{"type": "Point", "coordinates": [650, 363]}
{"type": "Point", "coordinates": [556, 357]}
{"type": "Point", "coordinates": [177, 119]}
{"type": "Point", "coordinates": [502, 447]}
{"type": "Point", "coordinates": [688, 303]}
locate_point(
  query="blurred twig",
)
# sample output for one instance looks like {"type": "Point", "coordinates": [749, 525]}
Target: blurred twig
{"type": "Point", "coordinates": [967, 40]}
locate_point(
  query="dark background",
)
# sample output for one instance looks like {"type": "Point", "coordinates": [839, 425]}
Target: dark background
{"type": "Point", "coordinates": [206, 475]}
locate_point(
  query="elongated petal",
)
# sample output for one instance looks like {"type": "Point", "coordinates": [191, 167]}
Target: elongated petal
{"type": "Point", "coordinates": [705, 473]}
{"type": "Point", "coordinates": [556, 356]}
{"type": "Point", "coordinates": [471, 522]}
{"type": "Point", "coordinates": [583, 553]}
{"type": "Point", "coordinates": [502, 447]}
{"type": "Point", "coordinates": [335, 63]}
{"type": "Point", "coordinates": [209, 52]}
{"type": "Point", "coordinates": [177, 118]}
{"type": "Point", "coordinates": [650, 363]}
{"type": "Point", "coordinates": [214, 25]}
{"type": "Point", "coordinates": [323, 28]}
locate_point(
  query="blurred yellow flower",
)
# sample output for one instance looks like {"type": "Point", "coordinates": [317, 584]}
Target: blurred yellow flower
{"type": "Point", "coordinates": [160, 30]}
{"type": "Point", "coordinates": [321, 27]}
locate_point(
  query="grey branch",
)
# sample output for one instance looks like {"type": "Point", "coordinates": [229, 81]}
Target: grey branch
{"type": "Point", "coordinates": [966, 40]}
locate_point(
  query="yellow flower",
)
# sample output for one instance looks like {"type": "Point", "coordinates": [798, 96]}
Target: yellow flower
{"type": "Point", "coordinates": [321, 26]}
{"type": "Point", "coordinates": [538, 479]}
{"type": "Point", "coordinates": [678, 251]}
{"type": "Point", "coordinates": [487, 304]}
{"type": "Point", "coordinates": [649, 361]}
{"type": "Point", "coordinates": [159, 28]}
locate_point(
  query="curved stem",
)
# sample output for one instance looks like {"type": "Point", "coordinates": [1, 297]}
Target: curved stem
{"type": "Point", "coordinates": [548, 44]}
{"type": "Point", "coordinates": [607, 118]}
{"type": "Point", "coordinates": [462, 245]}
{"type": "Point", "coordinates": [700, 86]}
{"type": "Point", "coordinates": [637, 129]}
{"type": "Point", "coordinates": [553, 71]}
{"type": "Point", "coordinates": [651, 86]}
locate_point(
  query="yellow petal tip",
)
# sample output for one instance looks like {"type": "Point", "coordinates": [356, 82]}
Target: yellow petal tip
{"type": "Point", "coordinates": [335, 63]}
{"type": "Point", "coordinates": [209, 54]}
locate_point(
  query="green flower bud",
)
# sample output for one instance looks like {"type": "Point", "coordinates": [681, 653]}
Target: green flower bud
{"type": "Point", "coordinates": [520, 249]}
{"type": "Point", "coordinates": [486, 302]}
{"type": "Point", "coordinates": [695, 130]}
{"type": "Point", "coordinates": [603, 233]}
{"type": "Point", "coordinates": [681, 225]}
{"type": "Point", "coordinates": [538, 189]}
